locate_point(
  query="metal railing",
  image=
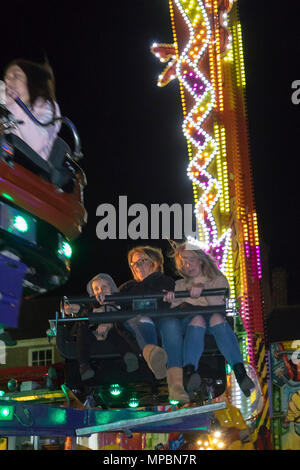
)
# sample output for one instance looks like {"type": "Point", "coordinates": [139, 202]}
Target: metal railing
{"type": "Point", "coordinates": [228, 308]}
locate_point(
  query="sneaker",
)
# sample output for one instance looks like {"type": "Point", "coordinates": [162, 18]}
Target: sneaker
{"type": "Point", "coordinates": [193, 380]}
{"type": "Point", "coordinates": [156, 359]}
{"type": "Point", "coordinates": [245, 383]}
{"type": "Point", "coordinates": [131, 362]}
{"type": "Point", "coordinates": [86, 372]}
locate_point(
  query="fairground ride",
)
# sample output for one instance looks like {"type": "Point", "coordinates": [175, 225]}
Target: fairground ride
{"type": "Point", "coordinates": [206, 57]}
{"type": "Point", "coordinates": [41, 213]}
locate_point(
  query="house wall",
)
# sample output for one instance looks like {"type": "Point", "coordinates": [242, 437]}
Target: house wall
{"type": "Point", "coordinates": [20, 354]}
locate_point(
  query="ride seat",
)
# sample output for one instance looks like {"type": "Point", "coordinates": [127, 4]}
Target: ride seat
{"type": "Point", "coordinates": [66, 344]}
{"type": "Point", "coordinates": [53, 169]}
{"type": "Point", "coordinates": [60, 174]}
{"type": "Point", "coordinates": [212, 364]}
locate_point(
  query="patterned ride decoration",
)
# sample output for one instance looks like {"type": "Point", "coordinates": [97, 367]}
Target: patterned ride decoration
{"type": "Point", "coordinates": [286, 394]}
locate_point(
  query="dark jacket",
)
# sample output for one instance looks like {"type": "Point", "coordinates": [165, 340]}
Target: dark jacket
{"type": "Point", "coordinates": [155, 283]}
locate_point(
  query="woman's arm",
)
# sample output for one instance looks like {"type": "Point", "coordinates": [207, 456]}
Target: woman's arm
{"type": "Point", "coordinates": [39, 138]}
{"type": "Point", "coordinates": [219, 282]}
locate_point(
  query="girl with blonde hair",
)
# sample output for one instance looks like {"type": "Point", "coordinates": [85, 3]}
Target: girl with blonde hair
{"type": "Point", "coordinates": [183, 338]}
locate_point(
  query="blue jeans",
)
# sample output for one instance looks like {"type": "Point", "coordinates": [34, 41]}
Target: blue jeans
{"type": "Point", "coordinates": [144, 330]}
{"type": "Point", "coordinates": [184, 343]}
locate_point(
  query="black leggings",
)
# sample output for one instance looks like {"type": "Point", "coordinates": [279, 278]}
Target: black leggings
{"type": "Point", "coordinates": [86, 339]}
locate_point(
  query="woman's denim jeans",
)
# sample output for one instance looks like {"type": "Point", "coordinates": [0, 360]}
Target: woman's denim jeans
{"type": "Point", "coordinates": [144, 330]}
{"type": "Point", "coordinates": [184, 343]}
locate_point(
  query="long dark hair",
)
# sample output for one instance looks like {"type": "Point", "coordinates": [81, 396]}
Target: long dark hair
{"type": "Point", "coordinates": [40, 80]}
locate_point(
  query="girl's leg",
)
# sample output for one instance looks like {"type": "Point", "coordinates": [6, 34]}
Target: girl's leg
{"type": "Point", "coordinates": [192, 351]}
{"type": "Point", "coordinates": [83, 343]}
{"type": "Point", "coordinates": [171, 330]}
{"type": "Point", "coordinates": [144, 330]}
{"type": "Point", "coordinates": [129, 357]}
{"type": "Point", "coordinates": [228, 344]}
{"type": "Point", "coordinates": [194, 341]}
{"type": "Point", "coordinates": [226, 339]}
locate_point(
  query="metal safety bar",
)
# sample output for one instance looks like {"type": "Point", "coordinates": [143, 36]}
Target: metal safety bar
{"type": "Point", "coordinates": [122, 315]}
{"type": "Point", "coordinates": [77, 143]}
{"type": "Point", "coordinates": [123, 297]}
{"type": "Point", "coordinates": [92, 301]}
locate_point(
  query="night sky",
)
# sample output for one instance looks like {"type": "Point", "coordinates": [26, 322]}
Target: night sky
{"type": "Point", "coordinates": [131, 129]}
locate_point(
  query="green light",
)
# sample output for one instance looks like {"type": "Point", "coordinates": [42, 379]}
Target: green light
{"type": "Point", "coordinates": [58, 416]}
{"type": "Point", "coordinates": [65, 249]}
{"type": "Point", "coordinates": [173, 402]}
{"type": "Point", "coordinates": [133, 403]}
{"type": "Point", "coordinates": [7, 196]}
{"type": "Point", "coordinates": [20, 224]}
{"type": "Point", "coordinates": [6, 413]}
{"type": "Point", "coordinates": [2, 392]}
{"type": "Point", "coordinates": [115, 390]}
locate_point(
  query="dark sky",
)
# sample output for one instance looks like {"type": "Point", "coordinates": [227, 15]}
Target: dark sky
{"type": "Point", "coordinates": [131, 129]}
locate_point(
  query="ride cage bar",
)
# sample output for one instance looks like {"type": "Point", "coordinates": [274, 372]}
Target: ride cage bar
{"type": "Point", "coordinates": [122, 315]}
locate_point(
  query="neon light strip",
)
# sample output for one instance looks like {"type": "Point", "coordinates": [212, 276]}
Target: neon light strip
{"type": "Point", "coordinates": [241, 55]}
{"type": "Point", "coordinates": [218, 60]}
{"type": "Point", "coordinates": [225, 185]}
{"type": "Point", "coordinates": [206, 148]}
{"type": "Point", "coordinates": [238, 55]}
{"type": "Point", "coordinates": [189, 146]}
{"type": "Point", "coordinates": [221, 160]}
{"type": "Point", "coordinates": [257, 248]}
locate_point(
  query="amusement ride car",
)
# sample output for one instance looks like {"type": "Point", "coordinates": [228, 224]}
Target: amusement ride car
{"type": "Point", "coordinates": [41, 212]}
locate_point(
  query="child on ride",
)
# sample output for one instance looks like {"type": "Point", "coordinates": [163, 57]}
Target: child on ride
{"type": "Point", "coordinates": [99, 286]}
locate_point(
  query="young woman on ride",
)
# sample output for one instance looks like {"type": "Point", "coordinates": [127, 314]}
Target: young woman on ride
{"type": "Point", "coordinates": [147, 266]}
{"type": "Point", "coordinates": [101, 285]}
{"type": "Point", "coordinates": [33, 84]}
{"type": "Point", "coordinates": [183, 338]}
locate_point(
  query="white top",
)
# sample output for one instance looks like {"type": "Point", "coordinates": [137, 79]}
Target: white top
{"type": "Point", "coordinates": [39, 138]}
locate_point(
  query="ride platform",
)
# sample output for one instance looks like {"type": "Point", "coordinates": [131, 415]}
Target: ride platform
{"type": "Point", "coordinates": [21, 419]}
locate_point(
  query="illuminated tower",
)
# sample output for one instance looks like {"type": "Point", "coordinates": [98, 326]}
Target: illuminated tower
{"type": "Point", "coordinates": [207, 60]}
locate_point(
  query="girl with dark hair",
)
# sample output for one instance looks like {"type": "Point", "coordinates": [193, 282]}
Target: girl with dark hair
{"type": "Point", "coordinates": [33, 84]}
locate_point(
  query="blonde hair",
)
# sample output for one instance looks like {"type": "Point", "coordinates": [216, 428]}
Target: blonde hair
{"type": "Point", "coordinates": [209, 266]}
{"type": "Point", "coordinates": [154, 254]}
